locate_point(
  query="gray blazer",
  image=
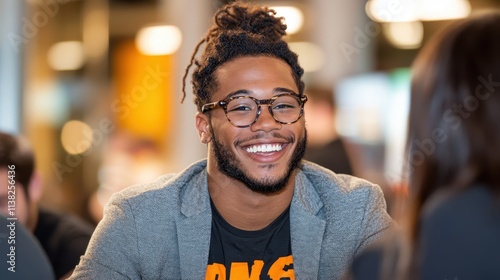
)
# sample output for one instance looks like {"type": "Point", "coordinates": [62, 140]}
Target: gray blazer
{"type": "Point", "coordinates": [161, 230]}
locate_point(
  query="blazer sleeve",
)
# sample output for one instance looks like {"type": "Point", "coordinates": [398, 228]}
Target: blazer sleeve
{"type": "Point", "coordinates": [376, 221]}
{"type": "Point", "coordinates": [113, 251]}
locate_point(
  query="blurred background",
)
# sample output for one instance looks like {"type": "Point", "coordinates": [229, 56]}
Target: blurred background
{"type": "Point", "coordinates": [95, 85]}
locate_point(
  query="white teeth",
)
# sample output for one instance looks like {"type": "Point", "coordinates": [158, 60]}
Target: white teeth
{"type": "Point", "coordinates": [265, 148]}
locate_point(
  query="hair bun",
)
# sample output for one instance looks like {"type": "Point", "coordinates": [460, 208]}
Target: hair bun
{"type": "Point", "coordinates": [243, 18]}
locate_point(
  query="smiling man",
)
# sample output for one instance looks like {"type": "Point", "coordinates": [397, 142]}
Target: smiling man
{"type": "Point", "coordinates": [253, 209]}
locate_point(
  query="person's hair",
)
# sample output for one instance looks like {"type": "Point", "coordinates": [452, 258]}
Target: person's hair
{"type": "Point", "coordinates": [16, 152]}
{"type": "Point", "coordinates": [239, 29]}
{"type": "Point", "coordinates": [454, 127]}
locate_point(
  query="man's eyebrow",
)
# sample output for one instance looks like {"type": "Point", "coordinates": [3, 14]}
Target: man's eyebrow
{"type": "Point", "coordinates": [248, 92]}
{"type": "Point", "coordinates": [284, 90]}
{"type": "Point", "coordinates": [238, 92]}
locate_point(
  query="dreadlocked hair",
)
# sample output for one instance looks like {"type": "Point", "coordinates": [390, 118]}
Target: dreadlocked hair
{"type": "Point", "coordinates": [238, 30]}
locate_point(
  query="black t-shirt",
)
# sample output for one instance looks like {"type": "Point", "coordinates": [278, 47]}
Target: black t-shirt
{"type": "Point", "coordinates": [64, 238]}
{"type": "Point", "coordinates": [240, 254]}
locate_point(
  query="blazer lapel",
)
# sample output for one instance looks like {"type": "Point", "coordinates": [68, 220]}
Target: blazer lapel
{"type": "Point", "coordinates": [307, 230]}
{"type": "Point", "coordinates": [193, 234]}
{"type": "Point", "coordinates": [193, 229]}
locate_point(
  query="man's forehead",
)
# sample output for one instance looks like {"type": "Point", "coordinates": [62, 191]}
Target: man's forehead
{"type": "Point", "coordinates": [254, 68]}
{"type": "Point", "coordinates": [245, 60]}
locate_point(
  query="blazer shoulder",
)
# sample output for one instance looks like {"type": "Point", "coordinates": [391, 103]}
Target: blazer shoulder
{"type": "Point", "coordinates": [324, 179]}
{"type": "Point", "coordinates": [160, 184]}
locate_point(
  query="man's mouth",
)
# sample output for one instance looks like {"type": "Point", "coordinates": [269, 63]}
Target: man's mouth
{"type": "Point", "coordinates": [264, 148]}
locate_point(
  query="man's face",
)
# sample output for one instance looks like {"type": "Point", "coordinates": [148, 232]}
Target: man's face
{"type": "Point", "coordinates": [264, 155]}
{"type": "Point", "coordinates": [7, 191]}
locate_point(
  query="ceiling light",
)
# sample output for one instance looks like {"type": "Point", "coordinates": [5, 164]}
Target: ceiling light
{"type": "Point", "coordinates": [391, 10]}
{"type": "Point", "coordinates": [159, 40]}
{"type": "Point", "coordinates": [404, 35]}
{"type": "Point", "coordinates": [294, 18]}
{"type": "Point", "coordinates": [67, 55]}
{"type": "Point", "coordinates": [76, 137]}
{"type": "Point", "coordinates": [444, 9]}
{"type": "Point", "coordinates": [415, 10]}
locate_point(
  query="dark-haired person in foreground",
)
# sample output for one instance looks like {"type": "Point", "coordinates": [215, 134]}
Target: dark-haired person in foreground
{"type": "Point", "coordinates": [454, 223]}
{"type": "Point", "coordinates": [253, 209]}
{"type": "Point", "coordinates": [63, 236]}
{"type": "Point", "coordinates": [21, 255]}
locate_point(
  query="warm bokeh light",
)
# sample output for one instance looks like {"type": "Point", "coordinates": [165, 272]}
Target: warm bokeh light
{"type": "Point", "coordinates": [68, 55]}
{"type": "Point", "coordinates": [415, 10]}
{"type": "Point", "coordinates": [404, 35]}
{"type": "Point", "coordinates": [294, 17]}
{"type": "Point", "coordinates": [76, 137]}
{"type": "Point", "coordinates": [311, 56]}
{"type": "Point", "coordinates": [158, 40]}
{"type": "Point", "coordinates": [392, 10]}
{"type": "Point", "coordinates": [444, 9]}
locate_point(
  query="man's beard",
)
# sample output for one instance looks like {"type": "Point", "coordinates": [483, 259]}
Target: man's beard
{"type": "Point", "coordinates": [228, 164]}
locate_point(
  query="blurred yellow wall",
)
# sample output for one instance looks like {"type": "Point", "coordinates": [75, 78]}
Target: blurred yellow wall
{"type": "Point", "coordinates": [143, 88]}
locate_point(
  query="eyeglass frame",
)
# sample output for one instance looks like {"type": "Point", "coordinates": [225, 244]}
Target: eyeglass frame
{"type": "Point", "coordinates": [224, 102]}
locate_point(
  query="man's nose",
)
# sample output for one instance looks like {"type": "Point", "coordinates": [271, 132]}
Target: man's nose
{"type": "Point", "coordinates": [265, 121]}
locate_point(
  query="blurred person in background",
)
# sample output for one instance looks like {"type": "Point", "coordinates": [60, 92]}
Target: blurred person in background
{"type": "Point", "coordinates": [453, 163]}
{"type": "Point", "coordinates": [324, 146]}
{"type": "Point", "coordinates": [64, 237]}
{"type": "Point", "coordinates": [253, 209]}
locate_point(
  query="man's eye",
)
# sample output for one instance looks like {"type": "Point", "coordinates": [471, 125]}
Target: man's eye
{"type": "Point", "coordinates": [283, 106]}
{"type": "Point", "coordinates": [240, 108]}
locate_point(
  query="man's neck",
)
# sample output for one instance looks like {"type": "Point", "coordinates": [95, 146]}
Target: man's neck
{"type": "Point", "coordinates": [244, 208]}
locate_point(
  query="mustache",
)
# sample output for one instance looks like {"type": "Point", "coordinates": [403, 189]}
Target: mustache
{"type": "Point", "coordinates": [262, 135]}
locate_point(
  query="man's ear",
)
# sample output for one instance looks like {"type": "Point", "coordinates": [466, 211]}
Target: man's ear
{"type": "Point", "coordinates": [203, 127]}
